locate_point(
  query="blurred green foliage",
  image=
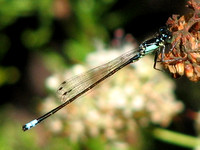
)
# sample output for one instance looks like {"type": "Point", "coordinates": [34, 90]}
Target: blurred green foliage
{"type": "Point", "coordinates": [8, 75]}
{"type": "Point", "coordinates": [10, 12]}
{"type": "Point", "coordinates": [84, 24]}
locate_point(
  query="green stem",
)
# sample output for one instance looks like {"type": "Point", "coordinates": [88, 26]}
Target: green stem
{"type": "Point", "coordinates": [176, 138]}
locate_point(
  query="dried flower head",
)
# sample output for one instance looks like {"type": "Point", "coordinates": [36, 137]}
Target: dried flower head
{"type": "Point", "coordinates": [184, 56]}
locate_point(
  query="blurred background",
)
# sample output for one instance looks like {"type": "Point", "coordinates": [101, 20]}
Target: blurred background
{"type": "Point", "coordinates": [45, 42]}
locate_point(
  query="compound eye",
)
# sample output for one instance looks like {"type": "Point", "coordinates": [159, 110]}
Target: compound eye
{"type": "Point", "coordinates": [162, 30]}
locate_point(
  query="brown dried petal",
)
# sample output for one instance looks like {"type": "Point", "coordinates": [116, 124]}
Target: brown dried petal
{"type": "Point", "coordinates": [180, 68]}
{"type": "Point", "coordinates": [197, 70]}
{"type": "Point", "coordinates": [189, 71]}
{"type": "Point", "coordinates": [172, 69]}
{"type": "Point", "coordinates": [195, 57]}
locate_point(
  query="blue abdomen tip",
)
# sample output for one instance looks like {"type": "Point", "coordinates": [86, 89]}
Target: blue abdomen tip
{"type": "Point", "coordinates": [30, 125]}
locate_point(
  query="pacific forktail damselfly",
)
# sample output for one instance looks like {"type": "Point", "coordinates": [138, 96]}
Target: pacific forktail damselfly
{"type": "Point", "coordinates": [73, 88]}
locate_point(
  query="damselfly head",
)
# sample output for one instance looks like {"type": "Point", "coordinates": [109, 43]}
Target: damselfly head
{"type": "Point", "coordinates": [165, 35]}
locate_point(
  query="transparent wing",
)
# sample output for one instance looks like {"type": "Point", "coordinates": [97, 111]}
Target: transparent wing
{"type": "Point", "coordinates": [80, 84]}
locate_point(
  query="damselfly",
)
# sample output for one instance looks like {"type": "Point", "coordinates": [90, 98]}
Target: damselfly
{"type": "Point", "coordinates": [73, 88]}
